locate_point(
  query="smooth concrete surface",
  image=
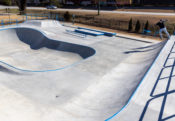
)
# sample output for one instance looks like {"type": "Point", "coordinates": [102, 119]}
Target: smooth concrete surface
{"type": "Point", "coordinates": [103, 73]}
{"type": "Point", "coordinates": [155, 97]}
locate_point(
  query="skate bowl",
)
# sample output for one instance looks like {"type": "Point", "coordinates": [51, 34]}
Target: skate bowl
{"type": "Point", "coordinates": [97, 89]}
{"type": "Point", "coordinates": [19, 39]}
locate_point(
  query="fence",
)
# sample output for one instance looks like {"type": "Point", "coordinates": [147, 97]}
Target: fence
{"type": "Point", "coordinates": [119, 24]}
{"type": "Point", "coordinates": [22, 18]}
{"type": "Point", "coordinates": [88, 20]}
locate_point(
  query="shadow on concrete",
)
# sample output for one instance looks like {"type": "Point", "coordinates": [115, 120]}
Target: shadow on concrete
{"type": "Point", "coordinates": [134, 39]}
{"type": "Point", "coordinates": [164, 94]}
{"type": "Point", "coordinates": [6, 70]}
{"type": "Point", "coordinates": [37, 40]}
{"type": "Point", "coordinates": [154, 46]}
{"type": "Point", "coordinates": [145, 49]}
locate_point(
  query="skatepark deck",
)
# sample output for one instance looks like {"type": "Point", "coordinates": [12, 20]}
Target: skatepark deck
{"type": "Point", "coordinates": [49, 75]}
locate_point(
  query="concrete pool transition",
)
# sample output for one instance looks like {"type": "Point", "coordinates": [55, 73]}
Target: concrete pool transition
{"type": "Point", "coordinates": [50, 72]}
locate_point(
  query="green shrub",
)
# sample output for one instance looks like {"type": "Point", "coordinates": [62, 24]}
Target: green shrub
{"type": "Point", "coordinates": [130, 25]}
{"type": "Point", "coordinates": [137, 27]}
{"type": "Point", "coordinates": [67, 16]}
{"type": "Point", "coordinates": [146, 25]}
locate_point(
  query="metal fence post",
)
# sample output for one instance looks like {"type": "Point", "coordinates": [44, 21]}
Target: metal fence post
{"type": "Point", "coordinates": [16, 22]}
{"type": "Point", "coordinates": [26, 17]}
{"type": "Point", "coordinates": [2, 23]}
{"type": "Point", "coordinates": [57, 17]}
{"type": "Point", "coordinates": [30, 16]}
{"type": "Point", "coordinates": [49, 16]}
{"type": "Point", "coordinates": [73, 18]}
{"type": "Point", "coordinates": [23, 18]}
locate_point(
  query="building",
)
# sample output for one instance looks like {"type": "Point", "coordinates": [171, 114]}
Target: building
{"type": "Point", "coordinates": [80, 1]}
{"type": "Point", "coordinates": [154, 2]}
{"type": "Point", "coordinates": [33, 1]}
{"type": "Point", "coordinates": [102, 2]}
{"type": "Point", "coordinates": [124, 2]}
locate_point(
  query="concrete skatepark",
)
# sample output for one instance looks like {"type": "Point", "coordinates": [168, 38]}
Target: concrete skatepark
{"type": "Point", "coordinates": [51, 73]}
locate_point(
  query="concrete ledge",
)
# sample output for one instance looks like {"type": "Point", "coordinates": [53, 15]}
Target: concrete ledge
{"type": "Point", "coordinates": [110, 34]}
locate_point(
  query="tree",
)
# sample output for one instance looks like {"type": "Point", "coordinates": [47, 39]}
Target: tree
{"type": "Point", "coordinates": [98, 7]}
{"type": "Point", "coordinates": [137, 27]}
{"type": "Point", "coordinates": [146, 25]}
{"type": "Point", "coordinates": [67, 16]}
{"type": "Point", "coordinates": [22, 6]}
{"type": "Point", "coordinates": [130, 25]}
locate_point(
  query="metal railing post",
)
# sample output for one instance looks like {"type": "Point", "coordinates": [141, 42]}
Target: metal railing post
{"type": "Point", "coordinates": [73, 18]}
{"type": "Point", "coordinates": [26, 17]}
{"type": "Point", "coordinates": [16, 22]}
{"type": "Point", "coordinates": [57, 17]}
{"type": "Point", "coordinates": [2, 23]}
